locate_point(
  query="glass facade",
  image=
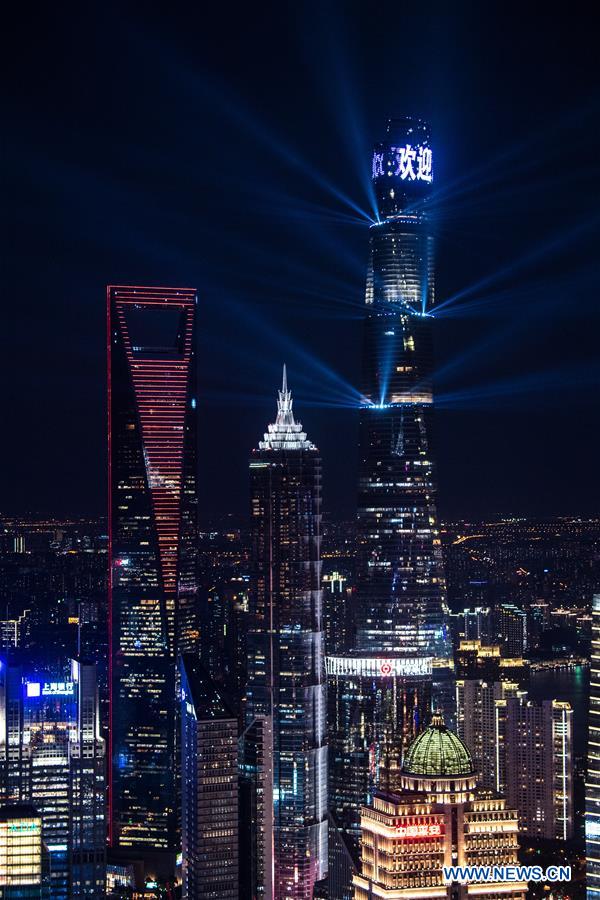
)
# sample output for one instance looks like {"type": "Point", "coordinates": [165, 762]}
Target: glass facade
{"type": "Point", "coordinates": [209, 765]}
{"type": "Point", "coordinates": [401, 590]}
{"type": "Point", "coordinates": [152, 549]}
{"type": "Point", "coordinates": [400, 608]}
{"type": "Point", "coordinates": [286, 670]}
{"type": "Point", "coordinates": [54, 759]}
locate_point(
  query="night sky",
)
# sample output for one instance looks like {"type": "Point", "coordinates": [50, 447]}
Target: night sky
{"type": "Point", "coordinates": [227, 147]}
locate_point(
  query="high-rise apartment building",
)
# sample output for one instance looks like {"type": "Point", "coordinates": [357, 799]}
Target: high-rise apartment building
{"type": "Point", "coordinates": [53, 758]}
{"type": "Point", "coordinates": [477, 726]}
{"type": "Point", "coordinates": [592, 784]}
{"type": "Point", "coordinates": [210, 797]}
{"type": "Point", "coordinates": [438, 818]}
{"type": "Point", "coordinates": [286, 670]}
{"type": "Point", "coordinates": [523, 750]}
{"type": "Point", "coordinates": [152, 557]}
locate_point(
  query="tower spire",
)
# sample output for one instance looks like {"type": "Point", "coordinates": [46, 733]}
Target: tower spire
{"type": "Point", "coordinates": [285, 414]}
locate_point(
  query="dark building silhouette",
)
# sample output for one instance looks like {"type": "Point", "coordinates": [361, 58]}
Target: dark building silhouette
{"type": "Point", "coordinates": [210, 799]}
{"type": "Point", "coordinates": [152, 557]}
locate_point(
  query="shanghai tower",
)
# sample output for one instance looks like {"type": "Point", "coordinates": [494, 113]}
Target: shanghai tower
{"type": "Point", "coordinates": [398, 663]}
{"type": "Point", "coordinates": [286, 672]}
{"type": "Point", "coordinates": [401, 590]}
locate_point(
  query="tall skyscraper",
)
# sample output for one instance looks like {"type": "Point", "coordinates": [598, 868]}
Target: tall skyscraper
{"type": "Point", "coordinates": [592, 784]}
{"type": "Point", "coordinates": [438, 818]}
{"type": "Point", "coordinates": [53, 758]}
{"type": "Point", "coordinates": [286, 672]}
{"type": "Point", "coordinates": [401, 605]}
{"type": "Point", "coordinates": [256, 810]}
{"type": "Point", "coordinates": [152, 556]}
{"type": "Point", "coordinates": [381, 692]}
{"type": "Point", "coordinates": [210, 801]}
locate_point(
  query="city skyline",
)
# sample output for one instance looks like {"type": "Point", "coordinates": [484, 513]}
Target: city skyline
{"type": "Point", "coordinates": [264, 207]}
{"type": "Point", "coordinates": [358, 654]}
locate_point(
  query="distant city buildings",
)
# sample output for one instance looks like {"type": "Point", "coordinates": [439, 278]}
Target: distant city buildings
{"type": "Point", "coordinates": [438, 817]}
{"type": "Point", "coordinates": [52, 758]}
{"type": "Point", "coordinates": [210, 792]}
{"type": "Point", "coordinates": [286, 668]}
{"type": "Point", "coordinates": [152, 558]}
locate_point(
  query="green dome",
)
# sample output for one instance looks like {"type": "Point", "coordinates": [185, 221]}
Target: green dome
{"type": "Point", "coordinates": [437, 751]}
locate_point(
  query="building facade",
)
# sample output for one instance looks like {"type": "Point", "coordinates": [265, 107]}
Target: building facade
{"type": "Point", "coordinates": [256, 810]}
{"type": "Point", "coordinates": [592, 784]}
{"type": "Point", "coordinates": [523, 750]}
{"type": "Point", "coordinates": [152, 556]}
{"type": "Point", "coordinates": [210, 797]}
{"type": "Point", "coordinates": [53, 758]}
{"type": "Point", "coordinates": [438, 818]}
{"type": "Point", "coordinates": [400, 611]}
{"type": "Point", "coordinates": [23, 858]}
{"type": "Point", "coordinates": [286, 667]}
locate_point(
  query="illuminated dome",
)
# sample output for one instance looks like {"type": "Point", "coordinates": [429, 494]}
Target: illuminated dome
{"type": "Point", "coordinates": [437, 752]}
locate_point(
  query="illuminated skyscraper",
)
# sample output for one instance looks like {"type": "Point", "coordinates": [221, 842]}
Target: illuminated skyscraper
{"type": "Point", "coordinates": [592, 784]}
{"type": "Point", "coordinates": [286, 671]}
{"type": "Point", "coordinates": [53, 758]}
{"type": "Point", "coordinates": [401, 606]}
{"type": "Point", "coordinates": [152, 549]}
{"type": "Point", "coordinates": [381, 692]}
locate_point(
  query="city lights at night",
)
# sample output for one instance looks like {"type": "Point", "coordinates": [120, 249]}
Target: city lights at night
{"type": "Point", "coordinates": [300, 512]}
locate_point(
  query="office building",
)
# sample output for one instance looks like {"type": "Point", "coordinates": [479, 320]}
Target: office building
{"type": "Point", "coordinates": [152, 558]}
{"type": "Point", "coordinates": [401, 652]}
{"type": "Point", "coordinates": [53, 758]}
{"type": "Point", "coordinates": [511, 629]}
{"type": "Point", "coordinates": [256, 810]}
{"type": "Point", "coordinates": [592, 785]}
{"type": "Point", "coordinates": [210, 797]}
{"type": "Point", "coordinates": [286, 669]}
{"type": "Point", "coordinates": [23, 858]}
{"type": "Point", "coordinates": [438, 818]}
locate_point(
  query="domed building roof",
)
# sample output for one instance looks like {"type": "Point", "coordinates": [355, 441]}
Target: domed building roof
{"type": "Point", "coordinates": [437, 752]}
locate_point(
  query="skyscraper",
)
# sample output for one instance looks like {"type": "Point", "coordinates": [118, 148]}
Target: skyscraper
{"type": "Point", "coordinates": [152, 555]}
{"type": "Point", "coordinates": [286, 672]}
{"type": "Point", "coordinates": [523, 750]}
{"type": "Point", "coordinates": [381, 692]}
{"type": "Point", "coordinates": [53, 759]}
{"type": "Point", "coordinates": [401, 605]}
{"type": "Point", "coordinates": [592, 784]}
{"type": "Point", "coordinates": [210, 801]}
{"type": "Point", "coordinates": [438, 818]}
{"type": "Point", "coordinates": [538, 765]}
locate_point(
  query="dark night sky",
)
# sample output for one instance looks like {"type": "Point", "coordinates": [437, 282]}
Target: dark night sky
{"type": "Point", "coordinates": [228, 147]}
